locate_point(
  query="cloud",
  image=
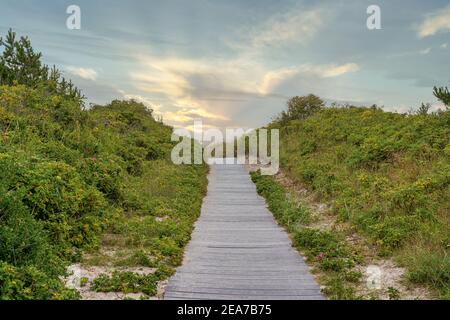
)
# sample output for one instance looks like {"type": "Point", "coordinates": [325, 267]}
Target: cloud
{"type": "Point", "coordinates": [415, 52]}
{"type": "Point", "coordinates": [217, 90]}
{"type": "Point", "coordinates": [444, 45]}
{"type": "Point", "coordinates": [225, 87]}
{"type": "Point", "coordinates": [425, 51]}
{"type": "Point", "coordinates": [179, 83]}
{"type": "Point", "coordinates": [187, 115]}
{"type": "Point", "coordinates": [293, 26]}
{"type": "Point", "coordinates": [331, 71]}
{"type": "Point", "coordinates": [85, 73]}
{"type": "Point", "coordinates": [182, 114]}
{"type": "Point", "coordinates": [139, 98]}
{"type": "Point", "coordinates": [434, 23]}
{"type": "Point", "coordinates": [275, 78]}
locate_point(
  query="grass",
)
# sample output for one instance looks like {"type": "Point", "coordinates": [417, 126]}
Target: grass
{"type": "Point", "coordinates": [430, 268]}
{"type": "Point", "coordinates": [76, 182]}
{"type": "Point", "coordinates": [131, 282]}
{"type": "Point", "coordinates": [324, 249]}
{"type": "Point", "coordinates": [158, 225]}
{"type": "Point", "coordinates": [288, 212]}
{"type": "Point", "coordinates": [99, 180]}
{"type": "Point", "coordinates": [387, 174]}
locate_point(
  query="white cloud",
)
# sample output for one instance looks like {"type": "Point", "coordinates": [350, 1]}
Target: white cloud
{"type": "Point", "coordinates": [331, 71]}
{"type": "Point", "coordinates": [293, 26]}
{"type": "Point", "coordinates": [272, 79]}
{"type": "Point", "coordinates": [416, 52]}
{"type": "Point", "coordinates": [186, 115]}
{"type": "Point", "coordinates": [85, 73]}
{"type": "Point", "coordinates": [139, 98]}
{"type": "Point", "coordinates": [444, 45]}
{"type": "Point", "coordinates": [425, 51]}
{"type": "Point", "coordinates": [219, 89]}
{"type": "Point", "coordinates": [434, 23]}
{"type": "Point", "coordinates": [216, 89]}
{"type": "Point", "coordinates": [179, 83]}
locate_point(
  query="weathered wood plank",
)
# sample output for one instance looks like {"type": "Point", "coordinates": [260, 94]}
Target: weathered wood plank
{"type": "Point", "coordinates": [237, 249]}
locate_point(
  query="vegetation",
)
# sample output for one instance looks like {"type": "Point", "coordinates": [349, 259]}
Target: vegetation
{"type": "Point", "coordinates": [443, 94]}
{"type": "Point", "coordinates": [129, 282]}
{"type": "Point", "coordinates": [325, 249]}
{"type": "Point", "coordinates": [19, 64]}
{"type": "Point", "coordinates": [386, 173]}
{"type": "Point", "coordinates": [78, 184]}
{"type": "Point", "coordinates": [300, 108]}
{"type": "Point", "coordinates": [74, 180]}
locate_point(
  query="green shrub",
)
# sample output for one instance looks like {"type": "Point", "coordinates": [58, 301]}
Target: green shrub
{"type": "Point", "coordinates": [324, 246]}
{"type": "Point", "coordinates": [126, 282]}
{"type": "Point", "coordinates": [324, 249]}
{"type": "Point", "coordinates": [30, 283]}
{"type": "Point", "coordinates": [337, 289]}
{"type": "Point", "coordinates": [105, 172]}
{"type": "Point", "coordinates": [392, 232]}
{"type": "Point", "coordinates": [386, 173]}
{"type": "Point", "coordinates": [301, 108]}
{"type": "Point", "coordinates": [69, 173]}
{"type": "Point", "coordinates": [23, 240]}
{"type": "Point", "coordinates": [288, 212]}
{"type": "Point", "coordinates": [58, 196]}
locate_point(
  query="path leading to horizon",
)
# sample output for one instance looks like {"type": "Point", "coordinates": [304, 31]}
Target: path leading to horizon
{"type": "Point", "coordinates": [237, 249]}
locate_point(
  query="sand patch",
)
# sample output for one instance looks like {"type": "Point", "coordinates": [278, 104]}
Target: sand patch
{"type": "Point", "coordinates": [81, 278]}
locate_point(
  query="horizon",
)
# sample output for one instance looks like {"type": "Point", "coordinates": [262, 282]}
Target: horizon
{"type": "Point", "coordinates": [235, 64]}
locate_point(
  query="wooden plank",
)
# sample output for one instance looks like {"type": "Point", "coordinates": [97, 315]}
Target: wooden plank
{"type": "Point", "coordinates": [237, 249]}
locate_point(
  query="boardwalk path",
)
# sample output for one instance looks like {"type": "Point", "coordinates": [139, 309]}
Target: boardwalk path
{"type": "Point", "coordinates": [237, 250]}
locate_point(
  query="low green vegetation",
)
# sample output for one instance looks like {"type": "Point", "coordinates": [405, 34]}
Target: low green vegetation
{"type": "Point", "coordinates": [325, 249]}
{"type": "Point", "coordinates": [162, 205]}
{"type": "Point", "coordinates": [75, 181]}
{"type": "Point", "coordinates": [96, 186]}
{"type": "Point", "coordinates": [130, 282]}
{"type": "Point", "coordinates": [388, 174]}
{"type": "Point", "coordinates": [285, 209]}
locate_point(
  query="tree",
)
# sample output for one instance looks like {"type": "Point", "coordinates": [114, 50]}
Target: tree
{"type": "Point", "coordinates": [20, 64]}
{"type": "Point", "coordinates": [300, 108]}
{"type": "Point", "coordinates": [423, 109]}
{"type": "Point", "coordinates": [443, 94]}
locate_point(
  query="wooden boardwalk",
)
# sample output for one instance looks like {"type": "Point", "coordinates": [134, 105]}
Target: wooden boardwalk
{"type": "Point", "coordinates": [237, 250]}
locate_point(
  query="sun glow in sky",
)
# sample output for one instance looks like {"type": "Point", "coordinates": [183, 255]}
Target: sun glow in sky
{"type": "Point", "coordinates": [235, 63]}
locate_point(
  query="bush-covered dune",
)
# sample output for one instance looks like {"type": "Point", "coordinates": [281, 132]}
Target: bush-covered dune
{"type": "Point", "coordinates": [386, 173]}
{"type": "Point", "coordinates": [70, 174]}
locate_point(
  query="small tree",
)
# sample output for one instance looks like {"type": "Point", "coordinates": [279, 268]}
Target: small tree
{"type": "Point", "coordinates": [301, 108]}
{"type": "Point", "coordinates": [443, 94]}
{"type": "Point", "coordinates": [423, 109]}
{"type": "Point", "coordinates": [19, 64]}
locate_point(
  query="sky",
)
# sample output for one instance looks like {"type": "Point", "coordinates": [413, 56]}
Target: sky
{"type": "Point", "coordinates": [235, 63]}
